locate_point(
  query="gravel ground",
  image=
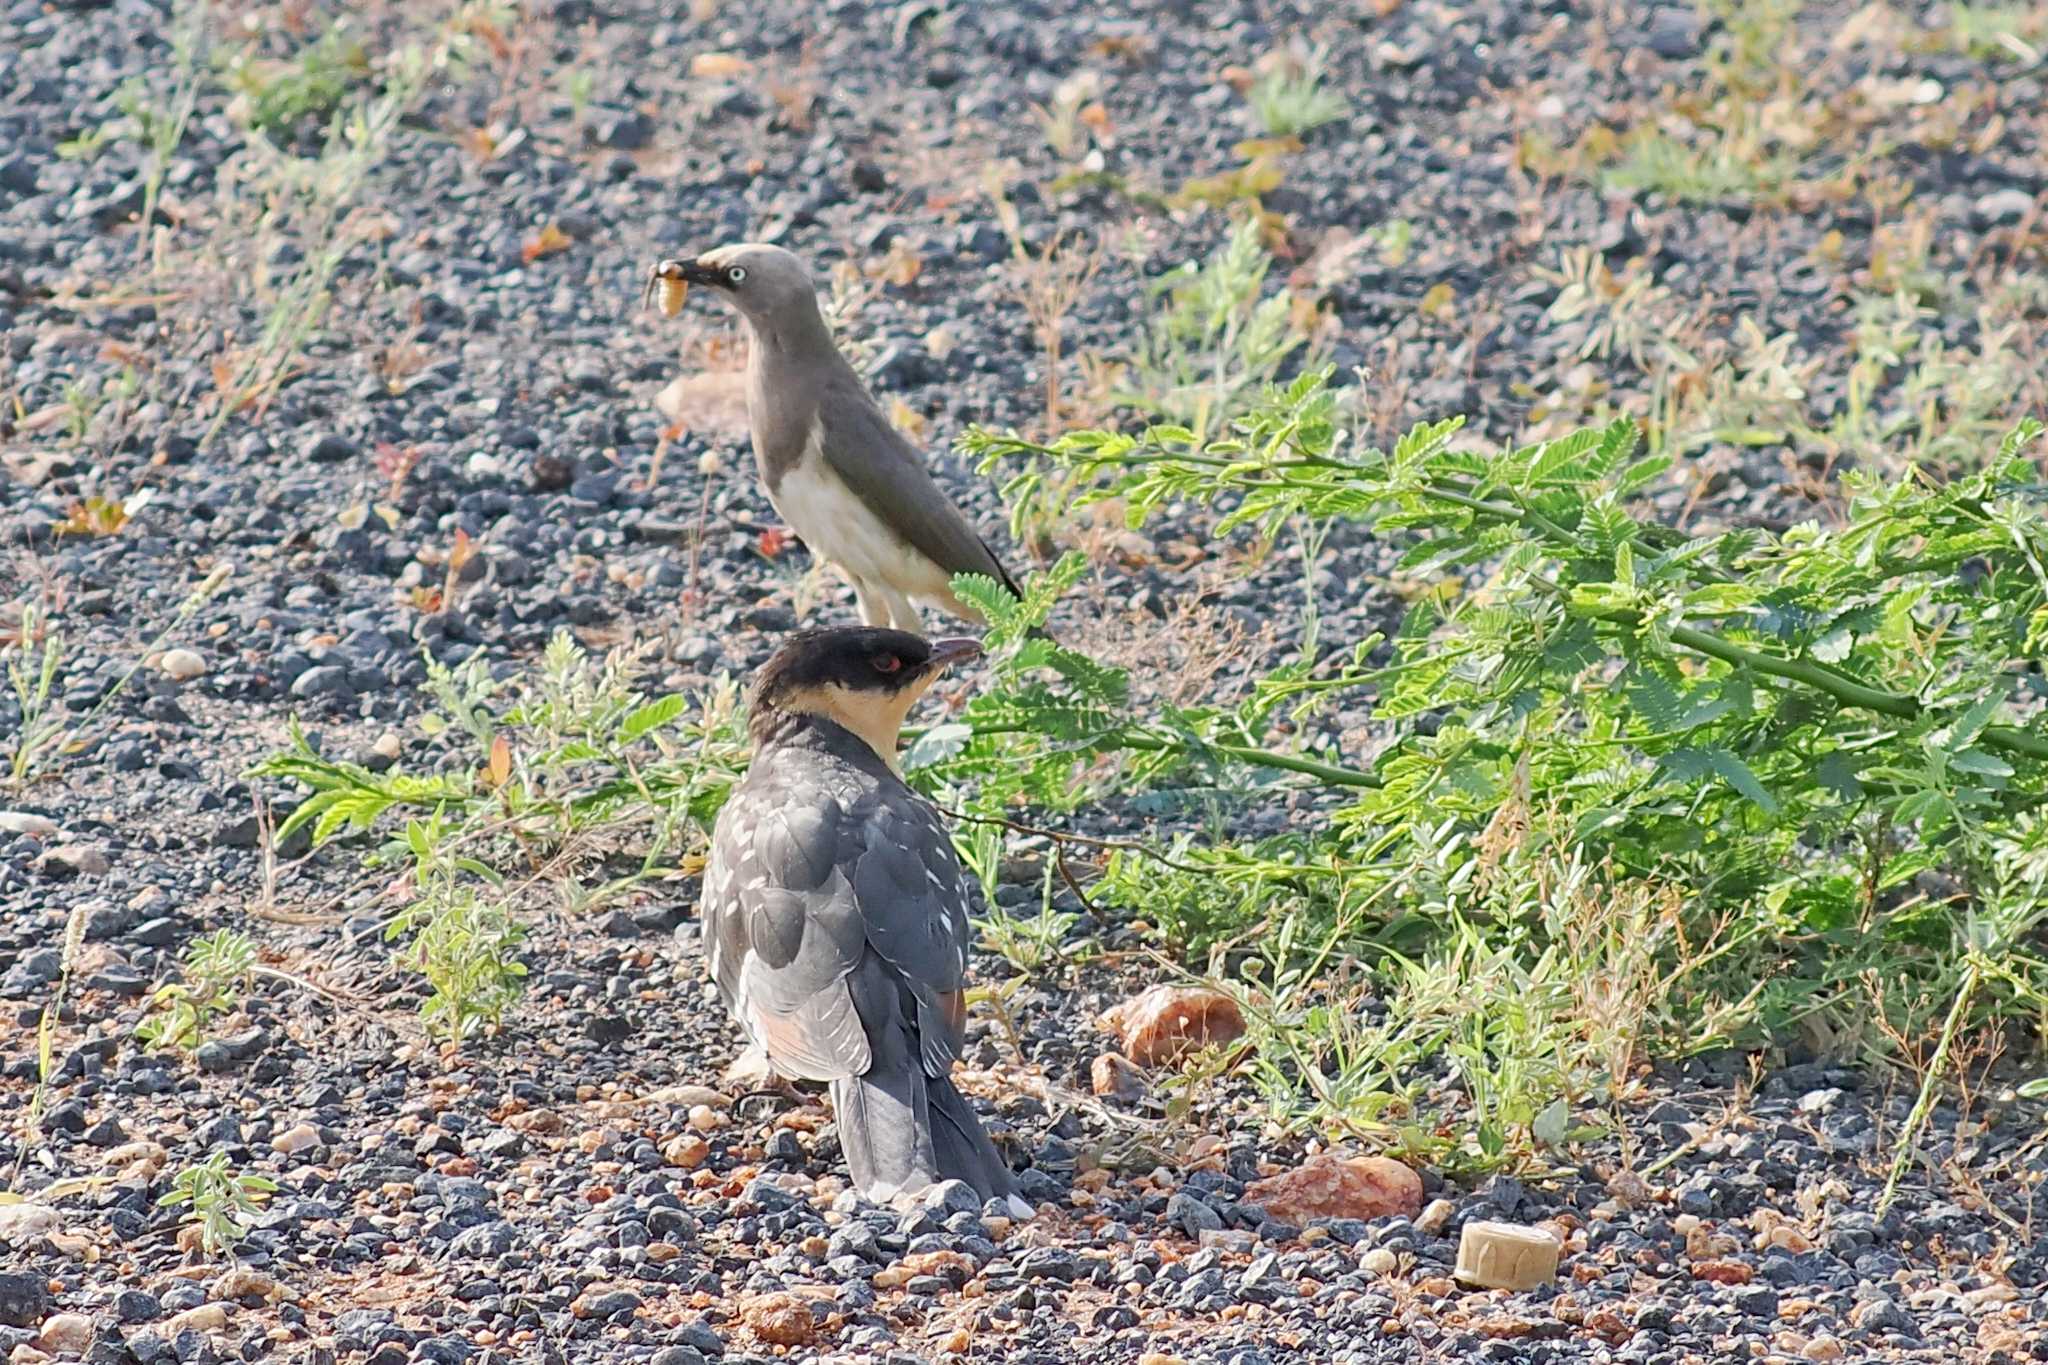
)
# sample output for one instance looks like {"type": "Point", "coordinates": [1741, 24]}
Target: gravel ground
{"type": "Point", "coordinates": [577, 1187]}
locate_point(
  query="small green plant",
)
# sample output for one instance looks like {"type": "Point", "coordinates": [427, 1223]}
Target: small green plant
{"type": "Point", "coordinates": [1709, 163]}
{"type": "Point", "coordinates": [1618, 315]}
{"type": "Point", "coordinates": [222, 1203]}
{"type": "Point", "coordinates": [279, 97]}
{"type": "Point", "coordinates": [311, 197]}
{"type": "Point", "coordinates": [89, 143]}
{"type": "Point", "coordinates": [463, 945]}
{"type": "Point", "coordinates": [46, 1034]}
{"type": "Point", "coordinates": [1036, 943]}
{"type": "Point", "coordinates": [550, 770]}
{"type": "Point", "coordinates": [158, 119]}
{"type": "Point", "coordinates": [215, 968]}
{"type": "Point", "coordinates": [2012, 33]}
{"type": "Point", "coordinates": [579, 84]}
{"type": "Point", "coordinates": [1215, 340]}
{"type": "Point", "coordinates": [33, 662]}
{"type": "Point", "coordinates": [1291, 98]}
{"type": "Point", "coordinates": [36, 655]}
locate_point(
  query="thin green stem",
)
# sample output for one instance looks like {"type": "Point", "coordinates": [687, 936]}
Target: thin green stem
{"type": "Point", "coordinates": [1938, 1063]}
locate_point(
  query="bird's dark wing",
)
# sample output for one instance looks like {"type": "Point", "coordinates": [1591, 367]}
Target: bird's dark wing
{"type": "Point", "coordinates": [810, 868]}
{"type": "Point", "coordinates": [882, 469]}
{"type": "Point", "coordinates": [781, 925]}
{"type": "Point", "coordinates": [913, 903]}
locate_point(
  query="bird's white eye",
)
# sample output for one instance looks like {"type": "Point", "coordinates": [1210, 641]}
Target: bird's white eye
{"type": "Point", "coordinates": [736, 274]}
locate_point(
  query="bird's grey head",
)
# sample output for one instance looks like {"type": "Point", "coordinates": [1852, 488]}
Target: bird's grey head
{"type": "Point", "coordinates": [770, 286]}
{"type": "Point", "coordinates": [864, 678]}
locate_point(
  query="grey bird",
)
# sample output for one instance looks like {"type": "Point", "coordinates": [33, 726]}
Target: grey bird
{"type": "Point", "coordinates": [835, 468]}
{"type": "Point", "coordinates": [835, 910]}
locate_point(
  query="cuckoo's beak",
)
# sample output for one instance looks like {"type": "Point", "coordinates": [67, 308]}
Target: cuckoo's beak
{"type": "Point", "coordinates": [952, 650]}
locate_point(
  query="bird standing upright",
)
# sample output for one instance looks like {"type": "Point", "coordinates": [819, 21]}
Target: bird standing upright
{"type": "Point", "coordinates": [835, 468]}
{"type": "Point", "coordinates": [835, 910]}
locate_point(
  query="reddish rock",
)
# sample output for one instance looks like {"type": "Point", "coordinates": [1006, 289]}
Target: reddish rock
{"type": "Point", "coordinates": [779, 1319]}
{"type": "Point", "coordinates": [1724, 1272]}
{"type": "Point", "coordinates": [1339, 1187]}
{"type": "Point", "coordinates": [1166, 1023]}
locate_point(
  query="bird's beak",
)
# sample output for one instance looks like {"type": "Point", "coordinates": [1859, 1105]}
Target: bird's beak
{"type": "Point", "coordinates": [695, 272]}
{"type": "Point", "coordinates": [668, 284]}
{"type": "Point", "coordinates": [953, 650]}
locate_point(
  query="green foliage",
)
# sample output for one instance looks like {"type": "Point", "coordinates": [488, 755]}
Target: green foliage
{"type": "Point", "coordinates": [220, 1201]}
{"type": "Point", "coordinates": [463, 946]}
{"type": "Point", "coordinates": [546, 770]}
{"type": "Point", "coordinates": [1216, 341]}
{"type": "Point", "coordinates": [32, 669]}
{"type": "Point", "coordinates": [1709, 163]}
{"type": "Point", "coordinates": [279, 97]}
{"type": "Point", "coordinates": [33, 665]}
{"type": "Point", "coordinates": [1826, 743]}
{"type": "Point", "coordinates": [1291, 98]}
{"type": "Point", "coordinates": [2010, 33]}
{"type": "Point", "coordinates": [215, 968]}
{"type": "Point", "coordinates": [1036, 943]}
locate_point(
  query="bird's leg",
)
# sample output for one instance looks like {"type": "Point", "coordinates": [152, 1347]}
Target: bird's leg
{"type": "Point", "coordinates": [873, 606]}
{"type": "Point", "coordinates": [902, 612]}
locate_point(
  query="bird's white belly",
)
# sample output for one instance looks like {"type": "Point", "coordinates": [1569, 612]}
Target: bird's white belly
{"type": "Point", "coordinates": [839, 527]}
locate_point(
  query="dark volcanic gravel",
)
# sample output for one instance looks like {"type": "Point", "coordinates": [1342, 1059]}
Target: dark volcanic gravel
{"type": "Point", "coordinates": [582, 1185]}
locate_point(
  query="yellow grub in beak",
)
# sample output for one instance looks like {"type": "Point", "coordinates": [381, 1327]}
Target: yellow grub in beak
{"type": "Point", "coordinates": [667, 288]}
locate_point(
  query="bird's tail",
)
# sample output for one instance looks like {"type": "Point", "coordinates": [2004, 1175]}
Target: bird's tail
{"type": "Point", "coordinates": [962, 1145]}
{"type": "Point", "coordinates": [902, 1130]}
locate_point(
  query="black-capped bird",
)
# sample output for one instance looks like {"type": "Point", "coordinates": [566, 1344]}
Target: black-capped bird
{"type": "Point", "coordinates": [834, 467]}
{"type": "Point", "coordinates": [835, 910]}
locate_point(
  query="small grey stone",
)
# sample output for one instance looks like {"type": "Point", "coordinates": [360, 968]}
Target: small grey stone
{"type": "Point", "coordinates": [160, 932]}
{"type": "Point", "coordinates": [485, 1240]}
{"type": "Point", "coordinates": [214, 1055]}
{"type": "Point", "coordinates": [137, 1305]}
{"type": "Point", "coordinates": [626, 132]}
{"type": "Point", "coordinates": [613, 1301]}
{"type": "Point", "coordinates": [1192, 1216]}
{"type": "Point", "coordinates": [24, 1299]}
{"type": "Point", "coordinates": [1673, 34]}
{"type": "Point", "coordinates": [1758, 1301]}
{"type": "Point", "coordinates": [1885, 1315]}
{"type": "Point", "coordinates": [2002, 207]}
{"type": "Point", "coordinates": [328, 448]}
{"type": "Point", "coordinates": [327, 680]}
{"type": "Point", "coordinates": [949, 1197]}
{"type": "Point", "coordinates": [700, 1337]}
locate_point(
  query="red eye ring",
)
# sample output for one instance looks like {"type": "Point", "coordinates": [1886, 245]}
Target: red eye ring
{"type": "Point", "coordinates": [887, 663]}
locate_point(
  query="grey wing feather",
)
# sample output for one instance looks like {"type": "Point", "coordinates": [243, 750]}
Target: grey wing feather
{"type": "Point", "coordinates": [913, 900]}
{"type": "Point", "coordinates": [784, 930]}
{"type": "Point", "coordinates": [874, 460]}
{"type": "Point", "coordinates": [804, 878]}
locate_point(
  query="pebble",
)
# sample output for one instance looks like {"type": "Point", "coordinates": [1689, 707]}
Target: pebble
{"type": "Point", "coordinates": [24, 1298]}
{"type": "Point", "coordinates": [137, 1305]}
{"type": "Point", "coordinates": [2001, 208]}
{"type": "Point", "coordinates": [244, 1283]}
{"type": "Point", "coordinates": [207, 1317]}
{"type": "Point", "coordinates": [65, 1334]}
{"type": "Point", "coordinates": [74, 860]}
{"type": "Point", "coordinates": [298, 1138]}
{"type": "Point", "coordinates": [182, 665]}
{"type": "Point", "coordinates": [1885, 1315]}
{"type": "Point", "coordinates": [329, 680]}
{"type": "Point", "coordinates": [24, 822]}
